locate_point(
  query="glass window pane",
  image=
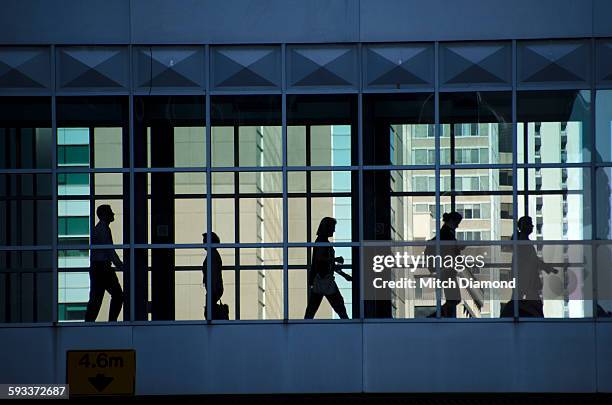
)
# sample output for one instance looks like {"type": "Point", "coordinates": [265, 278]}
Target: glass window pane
{"type": "Point", "coordinates": [484, 203]}
{"type": "Point", "coordinates": [261, 182]}
{"type": "Point", "coordinates": [260, 146]}
{"type": "Point", "coordinates": [189, 147]}
{"type": "Point", "coordinates": [603, 114]}
{"type": "Point", "coordinates": [77, 205]}
{"type": "Point", "coordinates": [170, 207]}
{"type": "Point", "coordinates": [74, 286]}
{"type": "Point", "coordinates": [169, 131]}
{"type": "Point", "coordinates": [26, 279]}
{"type": "Point", "coordinates": [25, 133]}
{"type": "Point", "coordinates": [553, 126]}
{"type": "Point", "coordinates": [246, 131]}
{"type": "Point", "coordinates": [398, 129]}
{"type": "Point", "coordinates": [261, 220]}
{"type": "Point", "coordinates": [224, 217]}
{"type": "Point", "coordinates": [321, 130]}
{"type": "Point", "coordinates": [296, 145]}
{"type": "Point", "coordinates": [297, 220]}
{"type": "Point", "coordinates": [108, 147]}
{"type": "Point", "coordinates": [556, 216]}
{"type": "Point", "coordinates": [222, 143]}
{"type": "Point", "coordinates": [93, 132]}
{"type": "Point", "coordinates": [603, 194]}
{"type": "Point", "coordinates": [555, 281]}
{"type": "Point", "coordinates": [223, 182]}
{"type": "Point", "coordinates": [325, 193]}
{"type": "Point", "coordinates": [299, 261]}
{"type": "Point", "coordinates": [73, 147]}
{"type": "Point", "coordinates": [110, 184]}
{"type": "Point", "coordinates": [189, 219]}
{"type": "Point", "coordinates": [25, 209]}
{"type": "Point", "coordinates": [484, 122]}
{"type": "Point", "coordinates": [400, 204]}
{"type": "Point", "coordinates": [557, 200]}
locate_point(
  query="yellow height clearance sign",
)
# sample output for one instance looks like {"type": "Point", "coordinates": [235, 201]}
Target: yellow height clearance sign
{"type": "Point", "coordinates": [101, 372]}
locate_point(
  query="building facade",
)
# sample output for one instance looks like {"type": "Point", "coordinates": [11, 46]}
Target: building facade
{"type": "Point", "coordinates": [255, 121]}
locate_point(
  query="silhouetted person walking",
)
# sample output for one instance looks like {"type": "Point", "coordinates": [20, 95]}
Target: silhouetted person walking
{"type": "Point", "coordinates": [101, 275]}
{"type": "Point", "coordinates": [447, 233]}
{"type": "Point", "coordinates": [321, 282]}
{"type": "Point", "coordinates": [529, 266]}
{"type": "Point", "coordinates": [216, 278]}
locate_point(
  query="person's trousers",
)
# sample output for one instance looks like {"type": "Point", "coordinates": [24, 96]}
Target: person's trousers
{"type": "Point", "coordinates": [335, 300]}
{"type": "Point", "coordinates": [102, 278]}
{"type": "Point", "coordinates": [451, 294]}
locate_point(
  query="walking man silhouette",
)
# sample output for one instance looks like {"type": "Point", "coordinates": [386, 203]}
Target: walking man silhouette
{"type": "Point", "coordinates": [101, 275]}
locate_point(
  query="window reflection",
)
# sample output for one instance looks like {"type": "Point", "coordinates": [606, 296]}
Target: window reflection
{"type": "Point", "coordinates": [246, 131]}
{"type": "Point", "coordinates": [169, 131]}
{"type": "Point", "coordinates": [557, 199]}
{"type": "Point", "coordinates": [25, 144]}
{"type": "Point", "coordinates": [399, 129]}
{"type": "Point", "coordinates": [321, 130]}
{"type": "Point", "coordinates": [603, 115]}
{"type": "Point", "coordinates": [401, 206]}
{"type": "Point", "coordinates": [184, 206]}
{"type": "Point", "coordinates": [553, 126]}
{"type": "Point", "coordinates": [475, 135]}
{"type": "Point", "coordinates": [25, 133]}
{"type": "Point", "coordinates": [252, 281]}
{"type": "Point", "coordinates": [476, 128]}
{"type": "Point", "coordinates": [79, 194]}
{"type": "Point", "coordinates": [92, 132]}
{"type": "Point", "coordinates": [26, 282]}
{"type": "Point", "coordinates": [318, 194]}
{"type": "Point", "coordinates": [74, 285]}
{"type": "Point", "coordinates": [25, 209]}
{"type": "Point", "coordinates": [603, 194]}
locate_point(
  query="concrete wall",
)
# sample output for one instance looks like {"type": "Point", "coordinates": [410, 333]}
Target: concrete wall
{"type": "Point", "coordinates": [191, 358]}
{"type": "Point", "coordinates": [296, 21]}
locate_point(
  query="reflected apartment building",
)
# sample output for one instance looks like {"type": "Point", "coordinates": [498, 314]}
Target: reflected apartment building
{"type": "Point", "coordinates": [558, 214]}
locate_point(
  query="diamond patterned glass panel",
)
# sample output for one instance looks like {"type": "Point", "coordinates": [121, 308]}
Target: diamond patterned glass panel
{"type": "Point", "coordinates": [322, 66]}
{"type": "Point", "coordinates": [554, 62]}
{"type": "Point", "coordinates": [160, 67]}
{"type": "Point", "coordinates": [475, 64]}
{"type": "Point", "coordinates": [238, 67]}
{"type": "Point", "coordinates": [24, 68]}
{"type": "Point", "coordinates": [93, 68]}
{"type": "Point", "coordinates": [604, 62]}
{"type": "Point", "coordinates": [398, 66]}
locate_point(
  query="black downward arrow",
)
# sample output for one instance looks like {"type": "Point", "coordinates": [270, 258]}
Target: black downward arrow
{"type": "Point", "coordinates": [100, 381]}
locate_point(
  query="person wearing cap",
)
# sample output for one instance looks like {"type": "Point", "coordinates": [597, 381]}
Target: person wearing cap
{"type": "Point", "coordinates": [101, 275]}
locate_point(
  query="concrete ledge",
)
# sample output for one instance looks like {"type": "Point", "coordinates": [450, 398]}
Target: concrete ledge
{"type": "Point", "coordinates": [385, 357]}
